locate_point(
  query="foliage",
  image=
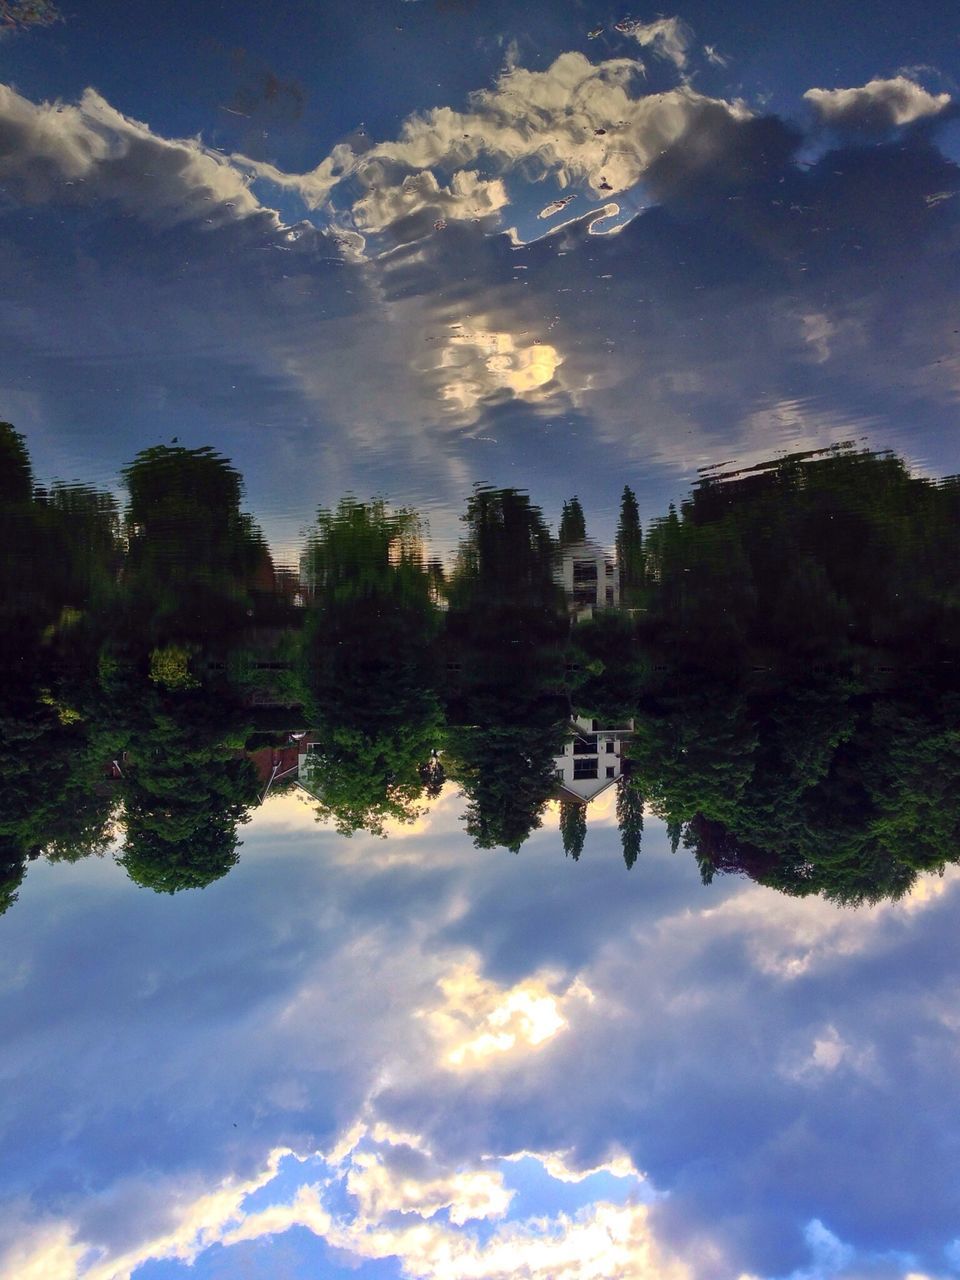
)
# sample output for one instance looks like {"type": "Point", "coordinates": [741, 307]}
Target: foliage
{"type": "Point", "coordinates": [170, 667]}
{"type": "Point", "coordinates": [573, 827]}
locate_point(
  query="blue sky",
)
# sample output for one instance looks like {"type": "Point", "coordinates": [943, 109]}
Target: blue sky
{"type": "Point", "coordinates": [714, 1081]}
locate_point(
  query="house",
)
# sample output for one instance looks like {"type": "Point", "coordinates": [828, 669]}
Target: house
{"type": "Point", "coordinates": [588, 575]}
{"type": "Point", "coordinates": [592, 759]}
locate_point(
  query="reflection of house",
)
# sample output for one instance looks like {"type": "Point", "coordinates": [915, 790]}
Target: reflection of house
{"type": "Point", "coordinates": [276, 764]}
{"type": "Point", "coordinates": [588, 575]}
{"type": "Point", "coordinates": [592, 759]}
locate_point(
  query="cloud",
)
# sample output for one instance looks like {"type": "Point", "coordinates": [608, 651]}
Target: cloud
{"type": "Point", "coordinates": [91, 153]}
{"type": "Point", "coordinates": [478, 1020]}
{"type": "Point", "coordinates": [877, 105]}
{"type": "Point", "coordinates": [417, 1081]}
{"type": "Point", "coordinates": [668, 38]}
{"type": "Point", "coordinates": [467, 197]}
{"type": "Point", "coordinates": [576, 121]}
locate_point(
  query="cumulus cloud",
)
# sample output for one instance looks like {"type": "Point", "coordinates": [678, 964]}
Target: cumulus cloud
{"type": "Point", "coordinates": [337, 986]}
{"type": "Point", "coordinates": [467, 196]}
{"type": "Point", "coordinates": [576, 121]}
{"type": "Point", "coordinates": [877, 105]}
{"type": "Point", "coordinates": [91, 152]}
{"type": "Point", "coordinates": [478, 1020]}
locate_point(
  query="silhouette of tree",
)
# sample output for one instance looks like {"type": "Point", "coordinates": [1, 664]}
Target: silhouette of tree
{"type": "Point", "coordinates": [630, 550]}
{"type": "Point", "coordinates": [573, 526]}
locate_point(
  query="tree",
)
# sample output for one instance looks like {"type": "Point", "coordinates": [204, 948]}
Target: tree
{"type": "Point", "coordinates": [192, 554]}
{"type": "Point", "coordinates": [573, 527]}
{"type": "Point", "coordinates": [573, 827]}
{"type": "Point", "coordinates": [16, 475]}
{"type": "Point", "coordinates": [630, 550]}
{"type": "Point", "coordinates": [369, 665]}
{"type": "Point", "coordinates": [629, 818]}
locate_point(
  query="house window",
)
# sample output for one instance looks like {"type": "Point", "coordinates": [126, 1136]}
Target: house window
{"type": "Point", "coordinates": [610, 770]}
{"type": "Point", "coordinates": [585, 744]}
{"type": "Point", "coordinates": [583, 769]}
{"type": "Point", "coordinates": [609, 746]}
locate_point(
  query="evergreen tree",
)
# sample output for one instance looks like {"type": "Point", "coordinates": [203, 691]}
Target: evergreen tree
{"type": "Point", "coordinates": [573, 527]}
{"type": "Point", "coordinates": [630, 549]}
{"type": "Point", "coordinates": [573, 827]}
{"type": "Point", "coordinates": [629, 818]}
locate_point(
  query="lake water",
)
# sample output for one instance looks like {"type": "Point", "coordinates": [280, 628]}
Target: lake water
{"type": "Point", "coordinates": [479, 642]}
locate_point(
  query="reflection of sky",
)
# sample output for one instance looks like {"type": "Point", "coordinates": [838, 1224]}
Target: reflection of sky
{"type": "Point", "coordinates": [319, 248]}
{"type": "Point", "coordinates": [671, 1081]}
{"type": "Point", "coordinates": [315, 243]}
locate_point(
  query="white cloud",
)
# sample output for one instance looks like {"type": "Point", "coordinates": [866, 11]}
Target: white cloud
{"type": "Point", "coordinates": [829, 1052]}
{"type": "Point", "coordinates": [478, 363]}
{"type": "Point", "coordinates": [668, 38]}
{"type": "Point", "coordinates": [468, 197]}
{"type": "Point", "coordinates": [714, 57]}
{"type": "Point", "coordinates": [877, 104]}
{"type": "Point", "coordinates": [576, 121]}
{"type": "Point", "coordinates": [479, 1020]}
{"type": "Point", "coordinates": [91, 152]}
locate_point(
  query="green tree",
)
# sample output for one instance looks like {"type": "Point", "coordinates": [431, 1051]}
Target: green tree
{"type": "Point", "coordinates": [629, 818]}
{"type": "Point", "coordinates": [370, 665]}
{"type": "Point", "coordinates": [573, 827]}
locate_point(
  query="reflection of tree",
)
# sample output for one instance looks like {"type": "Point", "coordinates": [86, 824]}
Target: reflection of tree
{"type": "Point", "coordinates": [630, 563]}
{"type": "Point", "coordinates": [192, 555]}
{"type": "Point", "coordinates": [787, 659]}
{"type": "Point", "coordinates": [370, 666]}
{"type": "Point", "coordinates": [185, 785]}
{"type": "Point", "coordinates": [806, 554]}
{"type": "Point", "coordinates": [504, 632]}
{"type": "Point", "coordinates": [573, 526]}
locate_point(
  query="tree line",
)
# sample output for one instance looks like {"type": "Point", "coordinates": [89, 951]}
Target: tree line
{"type": "Point", "coordinates": [784, 648]}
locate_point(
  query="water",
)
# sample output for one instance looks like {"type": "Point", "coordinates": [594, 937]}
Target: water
{"type": "Point", "coordinates": [478, 644]}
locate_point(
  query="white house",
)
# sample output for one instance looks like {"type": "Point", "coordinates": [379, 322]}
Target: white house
{"type": "Point", "coordinates": [592, 759]}
{"type": "Point", "coordinates": [588, 575]}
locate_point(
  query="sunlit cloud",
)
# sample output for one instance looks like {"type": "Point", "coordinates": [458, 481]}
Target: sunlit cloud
{"type": "Point", "coordinates": [879, 104]}
{"type": "Point", "coordinates": [468, 197]}
{"type": "Point", "coordinates": [576, 121]}
{"type": "Point", "coordinates": [477, 364]}
{"type": "Point", "coordinates": [479, 1020]}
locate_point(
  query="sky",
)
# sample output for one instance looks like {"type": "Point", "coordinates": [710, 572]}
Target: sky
{"type": "Point", "coordinates": [401, 248]}
{"type": "Point", "coordinates": [411, 1058]}
{"type": "Point", "coordinates": [405, 247]}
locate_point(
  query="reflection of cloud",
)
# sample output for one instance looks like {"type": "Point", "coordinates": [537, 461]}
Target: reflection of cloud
{"type": "Point", "coordinates": [879, 104]}
{"type": "Point", "coordinates": [479, 1020]}
{"type": "Point", "coordinates": [91, 152]}
{"type": "Point", "coordinates": [576, 120]}
{"type": "Point", "coordinates": [479, 363]}
{"type": "Point", "coordinates": [467, 197]}
{"type": "Point", "coordinates": [668, 38]}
